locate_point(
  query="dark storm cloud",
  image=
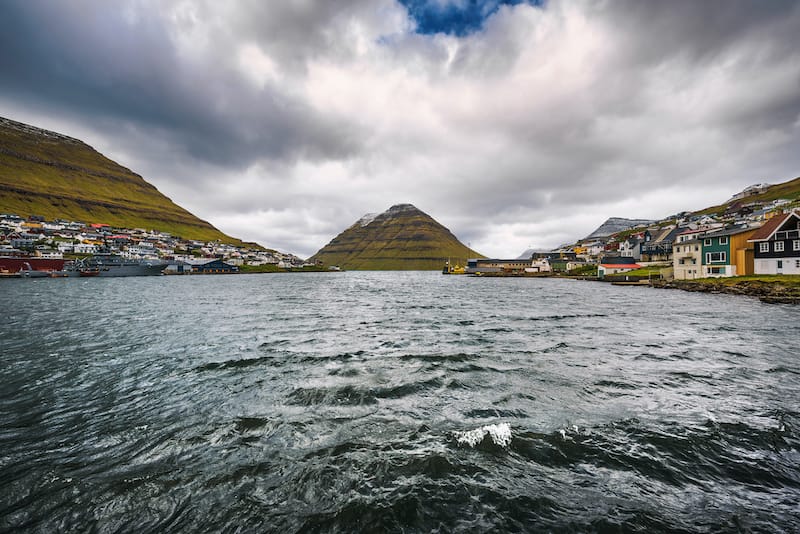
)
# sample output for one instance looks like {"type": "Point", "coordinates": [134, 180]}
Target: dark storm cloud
{"type": "Point", "coordinates": [92, 58]}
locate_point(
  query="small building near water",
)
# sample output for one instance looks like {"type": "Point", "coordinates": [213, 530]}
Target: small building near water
{"type": "Point", "coordinates": [777, 245]}
{"type": "Point", "coordinates": [211, 266]}
{"type": "Point", "coordinates": [608, 269]}
{"type": "Point", "coordinates": [518, 266]}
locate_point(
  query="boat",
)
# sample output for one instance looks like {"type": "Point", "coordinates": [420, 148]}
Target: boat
{"type": "Point", "coordinates": [108, 265]}
{"type": "Point", "coordinates": [453, 269]}
{"type": "Point", "coordinates": [22, 262]}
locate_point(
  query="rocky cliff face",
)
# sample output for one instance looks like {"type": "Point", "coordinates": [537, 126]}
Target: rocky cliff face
{"type": "Point", "coordinates": [50, 174]}
{"type": "Point", "coordinates": [616, 224]}
{"type": "Point", "coordinates": [401, 238]}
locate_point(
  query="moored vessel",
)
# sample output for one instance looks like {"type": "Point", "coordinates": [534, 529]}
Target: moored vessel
{"type": "Point", "coordinates": [107, 265]}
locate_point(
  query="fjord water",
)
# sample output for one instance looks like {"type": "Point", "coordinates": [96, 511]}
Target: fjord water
{"type": "Point", "coordinates": [394, 402]}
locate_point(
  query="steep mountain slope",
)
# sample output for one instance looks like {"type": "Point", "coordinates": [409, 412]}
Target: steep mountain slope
{"type": "Point", "coordinates": [49, 174]}
{"type": "Point", "coordinates": [616, 224]}
{"type": "Point", "coordinates": [401, 238]}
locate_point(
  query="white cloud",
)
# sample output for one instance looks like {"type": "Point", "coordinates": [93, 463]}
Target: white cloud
{"type": "Point", "coordinates": [284, 124]}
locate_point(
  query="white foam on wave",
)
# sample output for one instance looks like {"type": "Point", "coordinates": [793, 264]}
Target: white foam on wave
{"type": "Point", "coordinates": [500, 434]}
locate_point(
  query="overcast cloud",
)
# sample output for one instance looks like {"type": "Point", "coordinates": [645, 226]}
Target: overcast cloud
{"type": "Point", "coordinates": [284, 122]}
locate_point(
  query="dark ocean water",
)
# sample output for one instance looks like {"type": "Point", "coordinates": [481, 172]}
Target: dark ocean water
{"type": "Point", "coordinates": [394, 402]}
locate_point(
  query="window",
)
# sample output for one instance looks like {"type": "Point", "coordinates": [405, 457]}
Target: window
{"type": "Point", "coordinates": [697, 248]}
{"type": "Point", "coordinates": [797, 263]}
{"type": "Point", "coordinates": [707, 242]}
{"type": "Point", "coordinates": [796, 244]}
{"type": "Point", "coordinates": [763, 247]}
{"type": "Point", "coordinates": [780, 264]}
{"type": "Point", "coordinates": [778, 246]}
{"type": "Point", "coordinates": [716, 270]}
{"type": "Point", "coordinates": [716, 257]}
{"type": "Point", "coordinates": [723, 240]}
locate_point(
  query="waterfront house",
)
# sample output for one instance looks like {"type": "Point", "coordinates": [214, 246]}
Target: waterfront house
{"type": "Point", "coordinates": [631, 247]}
{"type": "Point", "coordinates": [777, 245]}
{"type": "Point", "coordinates": [687, 259]}
{"type": "Point", "coordinates": [608, 269]}
{"type": "Point", "coordinates": [212, 266]}
{"type": "Point", "coordinates": [659, 248]}
{"type": "Point", "coordinates": [727, 253]}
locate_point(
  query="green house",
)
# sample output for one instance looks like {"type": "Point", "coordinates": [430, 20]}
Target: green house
{"type": "Point", "coordinates": [727, 253]}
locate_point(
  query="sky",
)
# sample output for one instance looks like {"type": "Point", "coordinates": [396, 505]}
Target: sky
{"type": "Point", "coordinates": [515, 124]}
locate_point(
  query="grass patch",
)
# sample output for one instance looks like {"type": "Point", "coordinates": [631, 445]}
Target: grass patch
{"type": "Point", "coordinates": [786, 280]}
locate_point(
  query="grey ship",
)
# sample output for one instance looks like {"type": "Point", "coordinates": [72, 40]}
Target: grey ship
{"type": "Point", "coordinates": [115, 265]}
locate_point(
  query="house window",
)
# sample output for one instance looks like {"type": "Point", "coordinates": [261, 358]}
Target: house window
{"type": "Point", "coordinates": [723, 240]}
{"type": "Point", "coordinates": [697, 248]}
{"type": "Point", "coordinates": [797, 263]}
{"type": "Point", "coordinates": [796, 244]}
{"type": "Point", "coordinates": [780, 264]}
{"type": "Point", "coordinates": [716, 257]}
{"type": "Point", "coordinates": [707, 242]}
{"type": "Point", "coordinates": [778, 246]}
{"type": "Point", "coordinates": [763, 247]}
{"type": "Point", "coordinates": [716, 270]}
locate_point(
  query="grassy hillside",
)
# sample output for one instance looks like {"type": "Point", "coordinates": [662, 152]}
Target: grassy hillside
{"type": "Point", "coordinates": [48, 174]}
{"type": "Point", "coordinates": [402, 238]}
{"type": "Point", "coordinates": [789, 190]}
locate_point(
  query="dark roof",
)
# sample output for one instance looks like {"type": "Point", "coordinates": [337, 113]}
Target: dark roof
{"type": "Point", "coordinates": [771, 226]}
{"type": "Point", "coordinates": [728, 231]}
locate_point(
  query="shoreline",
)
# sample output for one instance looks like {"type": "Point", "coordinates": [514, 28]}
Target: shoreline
{"type": "Point", "coordinates": [772, 291]}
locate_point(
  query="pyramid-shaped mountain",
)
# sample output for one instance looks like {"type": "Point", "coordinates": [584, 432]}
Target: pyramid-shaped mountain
{"type": "Point", "coordinates": [402, 238]}
{"type": "Point", "coordinates": [49, 174]}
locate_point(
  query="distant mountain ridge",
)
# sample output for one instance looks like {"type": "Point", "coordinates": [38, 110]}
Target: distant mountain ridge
{"type": "Point", "coordinates": [56, 176]}
{"type": "Point", "coordinates": [617, 224]}
{"type": "Point", "coordinates": [401, 238]}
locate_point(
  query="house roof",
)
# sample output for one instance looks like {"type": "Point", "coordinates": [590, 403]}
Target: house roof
{"type": "Point", "coordinates": [620, 265]}
{"type": "Point", "coordinates": [692, 231]}
{"type": "Point", "coordinates": [661, 235]}
{"type": "Point", "coordinates": [729, 231]}
{"type": "Point", "coordinates": [772, 226]}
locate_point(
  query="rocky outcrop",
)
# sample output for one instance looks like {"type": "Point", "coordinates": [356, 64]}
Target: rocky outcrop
{"type": "Point", "coordinates": [766, 291]}
{"type": "Point", "coordinates": [401, 238]}
{"type": "Point", "coordinates": [616, 224]}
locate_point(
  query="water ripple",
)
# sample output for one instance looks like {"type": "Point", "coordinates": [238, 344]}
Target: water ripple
{"type": "Point", "coordinates": [394, 402]}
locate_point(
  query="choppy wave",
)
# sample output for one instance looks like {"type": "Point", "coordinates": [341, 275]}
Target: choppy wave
{"type": "Point", "coordinates": [499, 434]}
{"type": "Point", "coordinates": [371, 402]}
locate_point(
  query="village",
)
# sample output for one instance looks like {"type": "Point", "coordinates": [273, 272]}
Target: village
{"type": "Point", "coordinates": [69, 240]}
{"type": "Point", "coordinates": [749, 238]}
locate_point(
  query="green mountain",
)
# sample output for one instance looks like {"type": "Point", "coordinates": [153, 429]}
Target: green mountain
{"type": "Point", "coordinates": [58, 177]}
{"type": "Point", "coordinates": [402, 238]}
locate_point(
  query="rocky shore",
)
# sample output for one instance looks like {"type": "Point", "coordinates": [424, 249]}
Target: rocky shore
{"type": "Point", "coordinates": [776, 292]}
